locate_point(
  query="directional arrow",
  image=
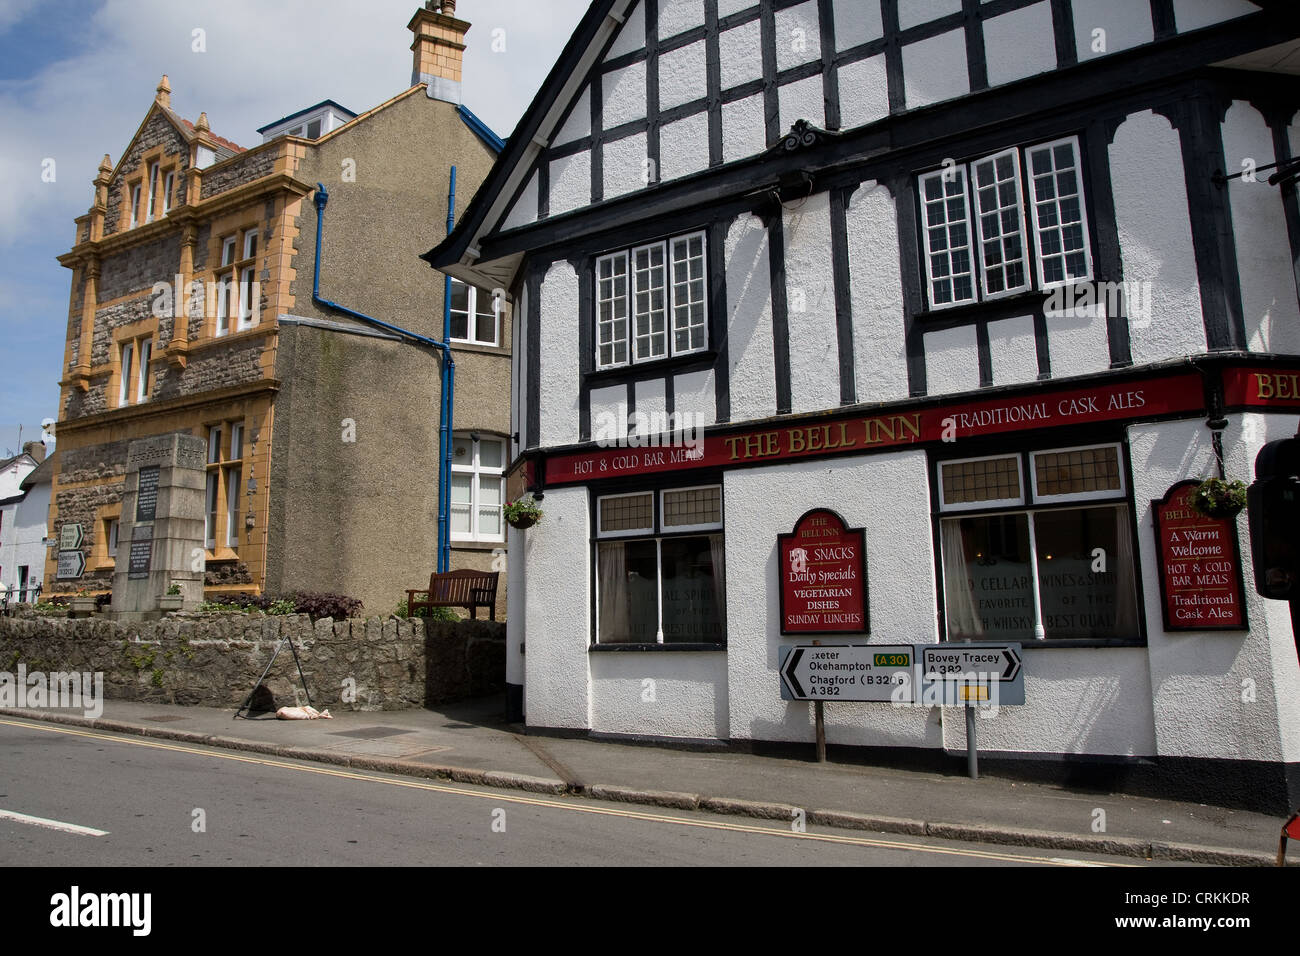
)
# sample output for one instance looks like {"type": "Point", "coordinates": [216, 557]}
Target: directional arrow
{"type": "Point", "coordinates": [71, 564]}
{"type": "Point", "coordinates": [1013, 664]}
{"type": "Point", "coordinates": [788, 673]}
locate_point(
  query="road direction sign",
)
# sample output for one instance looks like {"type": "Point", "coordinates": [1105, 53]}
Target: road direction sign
{"type": "Point", "coordinates": [850, 672]}
{"type": "Point", "coordinates": [984, 674]}
{"type": "Point", "coordinates": [72, 564]}
{"type": "Point", "coordinates": [70, 537]}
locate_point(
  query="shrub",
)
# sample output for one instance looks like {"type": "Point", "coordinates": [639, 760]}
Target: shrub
{"type": "Point", "coordinates": [429, 613]}
{"type": "Point", "coordinates": [319, 606]}
{"type": "Point", "coordinates": [282, 606]}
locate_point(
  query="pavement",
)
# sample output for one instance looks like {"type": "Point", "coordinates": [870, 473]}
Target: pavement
{"type": "Point", "coordinates": [469, 743]}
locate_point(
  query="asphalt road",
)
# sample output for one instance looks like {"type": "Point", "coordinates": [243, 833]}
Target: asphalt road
{"type": "Point", "coordinates": [154, 803]}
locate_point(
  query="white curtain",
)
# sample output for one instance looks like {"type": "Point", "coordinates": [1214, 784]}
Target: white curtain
{"type": "Point", "coordinates": [963, 616]}
{"type": "Point", "coordinates": [1125, 570]}
{"type": "Point", "coordinates": [717, 547]}
{"type": "Point", "coordinates": [611, 564]}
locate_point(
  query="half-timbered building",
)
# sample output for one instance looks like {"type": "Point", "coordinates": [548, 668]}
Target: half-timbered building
{"type": "Point", "coordinates": [993, 281]}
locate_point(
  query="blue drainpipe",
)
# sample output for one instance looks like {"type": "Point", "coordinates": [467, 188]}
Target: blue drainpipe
{"type": "Point", "coordinates": [413, 338]}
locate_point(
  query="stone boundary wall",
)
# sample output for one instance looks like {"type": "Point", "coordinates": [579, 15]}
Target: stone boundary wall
{"type": "Point", "coordinates": [213, 660]}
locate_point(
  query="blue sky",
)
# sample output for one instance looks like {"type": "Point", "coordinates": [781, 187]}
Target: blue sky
{"type": "Point", "coordinates": [77, 76]}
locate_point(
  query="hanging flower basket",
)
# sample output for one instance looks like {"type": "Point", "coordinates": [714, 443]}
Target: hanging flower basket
{"type": "Point", "coordinates": [1217, 498]}
{"type": "Point", "coordinates": [523, 513]}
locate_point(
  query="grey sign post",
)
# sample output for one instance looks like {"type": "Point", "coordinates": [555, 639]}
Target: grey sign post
{"type": "Point", "coordinates": [972, 675]}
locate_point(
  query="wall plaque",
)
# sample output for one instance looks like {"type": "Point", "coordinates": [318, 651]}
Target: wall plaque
{"type": "Point", "coordinates": [1200, 567]}
{"type": "Point", "coordinates": [146, 496]}
{"type": "Point", "coordinates": [823, 569]}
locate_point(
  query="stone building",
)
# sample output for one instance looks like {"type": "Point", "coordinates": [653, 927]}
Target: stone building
{"type": "Point", "coordinates": [192, 310]}
{"type": "Point", "coordinates": [991, 284]}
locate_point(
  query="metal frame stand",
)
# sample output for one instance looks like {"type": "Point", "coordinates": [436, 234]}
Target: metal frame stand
{"type": "Point", "coordinates": [279, 647]}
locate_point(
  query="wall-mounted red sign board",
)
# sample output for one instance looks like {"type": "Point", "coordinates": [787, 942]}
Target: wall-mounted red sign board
{"type": "Point", "coordinates": [817, 437]}
{"type": "Point", "coordinates": [823, 570]}
{"type": "Point", "coordinates": [1200, 566]}
{"type": "Point", "coordinates": [1268, 385]}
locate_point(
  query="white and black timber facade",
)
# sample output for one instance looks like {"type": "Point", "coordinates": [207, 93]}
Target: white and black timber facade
{"type": "Point", "coordinates": [992, 281]}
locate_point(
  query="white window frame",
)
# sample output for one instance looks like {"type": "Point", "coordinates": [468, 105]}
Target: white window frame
{"type": "Point", "coordinates": [236, 441]}
{"type": "Point", "coordinates": [627, 258]}
{"type": "Point", "coordinates": [477, 475]}
{"type": "Point", "coordinates": [214, 445]}
{"type": "Point", "coordinates": [169, 184]}
{"type": "Point", "coordinates": [1083, 211]}
{"type": "Point", "coordinates": [977, 232]}
{"type": "Point", "coordinates": [471, 316]}
{"type": "Point", "coordinates": [1031, 230]}
{"type": "Point", "coordinates": [647, 531]}
{"type": "Point", "coordinates": [1105, 495]}
{"type": "Point", "coordinates": [135, 205]}
{"type": "Point", "coordinates": [233, 477]}
{"type": "Point", "coordinates": [211, 501]}
{"type": "Point", "coordinates": [125, 366]}
{"type": "Point", "coordinates": [110, 537]}
{"type": "Point", "coordinates": [142, 377]}
{"type": "Point", "coordinates": [250, 243]}
{"type": "Point", "coordinates": [665, 333]}
{"type": "Point", "coordinates": [153, 190]}
{"type": "Point", "coordinates": [657, 535]}
{"type": "Point", "coordinates": [991, 504]}
{"type": "Point", "coordinates": [664, 527]}
{"type": "Point", "coordinates": [929, 251]}
{"type": "Point", "coordinates": [249, 304]}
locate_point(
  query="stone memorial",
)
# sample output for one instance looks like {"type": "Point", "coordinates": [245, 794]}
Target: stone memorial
{"type": "Point", "coordinates": [162, 525]}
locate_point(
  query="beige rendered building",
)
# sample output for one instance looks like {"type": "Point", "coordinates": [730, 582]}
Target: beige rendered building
{"type": "Point", "coordinates": [192, 311]}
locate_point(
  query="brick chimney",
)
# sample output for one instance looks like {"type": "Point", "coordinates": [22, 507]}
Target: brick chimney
{"type": "Point", "coordinates": [35, 449]}
{"type": "Point", "coordinates": [438, 49]}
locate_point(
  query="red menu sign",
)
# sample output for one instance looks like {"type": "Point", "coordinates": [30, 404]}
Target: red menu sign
{"type": "Point", "coordinates": [823, 568]}
{"type": "Point", "coordinates": [1200, 567]}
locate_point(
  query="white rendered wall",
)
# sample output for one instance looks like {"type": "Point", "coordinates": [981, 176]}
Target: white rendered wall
{"type": "Point", "coordinates": [935, 69]}
{"type": "Point", "coordinates": [810, 305]}
{"type": "Point", "coordinates": [682, 75]}
{"type": "Point", "coordinates": [744, 132]}
{"type": "Point", "coordinates": [524, 210]}
{"type": "Point", "coordinates": [749, 321]}
{"type": "Point", "coordinates": [1013, 351]}
{"type": "Point", "coordinates": [876, 293]}
{"type": "Point", "coordinates": [802, 99]}
{"type": "Point", "coordinates": [1124, 24]}
{"type": "Point", "coordinates": [678, 16]}
{"type": "Point", "coordinates": [625, 167]}
{"type": "Point", "coordinates": [798, 35]}
{"type": "Point", "coordinates": [578, 123]}
{"type": "Point", "coordinates": [868, 99]}
{"type": "Point", "coordinates": [631, 36]}
{"type": "Point", "coordinates": [1020, 43]}
{"type": "Point", "coordinates": [1155, 236]}
{"type": "Point", "coordinates": [686, 693]}
{"type": "Point", "coordinates": [516, 605]}
{"type": "Point", "coordinates": [856, 23]}
{"type": "Point", "coordinates": [557, 576]}
{"type": "Point", "coordinates": [570, 183]}
{"type": "Point", "coordinates": [913, 13]}
{"type": "Point", "coordinates": [558, 372]}
{"type": "Point", "coordinates": [1197, 677]}
{"type": "Point", "coordinates": [624, 95]}
{"type": "Point", "coordinates": [684, 146]}
{"type": "Point", "coordinates": [739, 54]}
{"type": "Point", "coordinates": [695, 394]}
{"type": "Point", "coordinates": [1194, 14]}
{"type": "Point", "coordinates": [900, 576]}
{"type": "Point", "coordinates": [1268, 289]}
{"type": "Point", "coordinates": [951, 361]}
{"type": "Point", "coordinates": [1077, 342]}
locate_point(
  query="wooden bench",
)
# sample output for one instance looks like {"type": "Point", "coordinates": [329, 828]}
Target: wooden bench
{"type": "Point", "coordinates": [468, 589]}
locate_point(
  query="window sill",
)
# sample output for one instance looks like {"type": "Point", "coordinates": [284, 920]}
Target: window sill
{"type": "Point", "coordinates": [694, 362]}
{"type": "Point", "coordinates": [656, 647]}
{"type": "Point", "coordinates": [467, 545]}
{"type": "Point", "coordinates": [1022, 303]}
{"type": "Point", "coordinates": [479, 347]}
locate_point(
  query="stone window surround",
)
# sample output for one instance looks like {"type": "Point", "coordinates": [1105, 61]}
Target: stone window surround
{"type": "Point", "coordinates": [237, 227]}
{"type": "Point", "coordinates": [168, 164]}
{"type": "Point", "coordinates": [134, 334]}
{"type": "Point", "coordinates": [223, 467]}
{"type": "Point", "coordinates": [100, 559]}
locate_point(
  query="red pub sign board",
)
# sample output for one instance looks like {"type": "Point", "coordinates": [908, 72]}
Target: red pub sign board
{"type": "Point", "coordinates": [823, 568]}
{"type": "Point", "coordinates": [1200, 567]}
{"type": "Point", "coordinates": [877, 430]}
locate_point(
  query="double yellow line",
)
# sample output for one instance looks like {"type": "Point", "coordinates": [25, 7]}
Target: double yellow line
{"type": "Point", "coordinates": [571, 805]}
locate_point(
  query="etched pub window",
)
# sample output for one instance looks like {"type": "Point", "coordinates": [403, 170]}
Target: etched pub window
{"type": "Point", "coordinates": [660, 567]}
{"type": "Point", "coordinates": [1050, 558]}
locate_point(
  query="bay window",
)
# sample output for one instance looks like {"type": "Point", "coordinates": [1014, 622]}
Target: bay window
{"type": "Point", "coordinates": [651, 302]}
{"type": "Point", "coordinates": [1038, 546]}
{"type": "Point", "coordinates": [1004, 224]}
{"type": "Point", "coordinates": [660, 568]}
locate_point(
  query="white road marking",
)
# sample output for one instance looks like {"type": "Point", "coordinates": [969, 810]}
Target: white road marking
{"type": "Point", "coordinates": [51, 824]}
